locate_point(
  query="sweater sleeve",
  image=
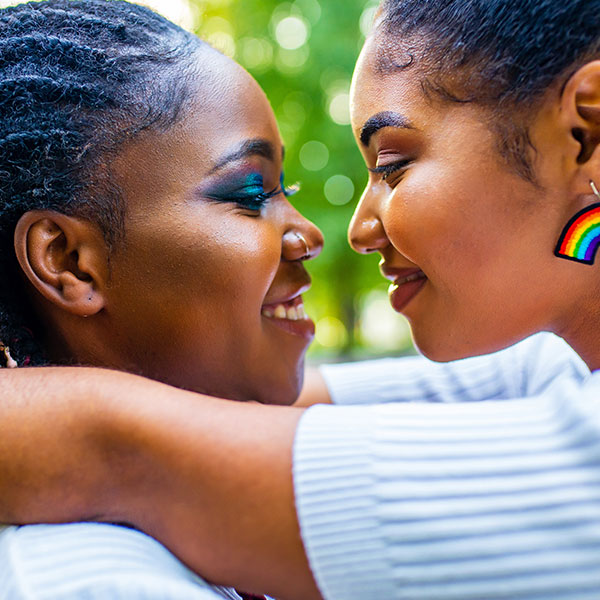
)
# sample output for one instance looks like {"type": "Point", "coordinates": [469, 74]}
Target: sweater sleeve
{"type": "Point", "coordinates": [94, 561]}
{"type": "Point", "coordinates": [525, 369]}
{"type": "Point", "coordinates": [463, 501]}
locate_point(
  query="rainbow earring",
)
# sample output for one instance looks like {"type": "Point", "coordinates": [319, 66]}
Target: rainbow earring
{"type": "Point", "coordinates": [580, 239]}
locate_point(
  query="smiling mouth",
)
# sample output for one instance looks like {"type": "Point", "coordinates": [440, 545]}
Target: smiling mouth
{"type": "Point", "coordinates": [404, 289]}
{"type": "Point", "coordinates": [292, 310]}
{"type": "Point", "coordinates": [290, 317]}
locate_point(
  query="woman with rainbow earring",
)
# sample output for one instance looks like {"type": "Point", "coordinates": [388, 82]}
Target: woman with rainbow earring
{"type": "Point", "coordinates": [474, 478]}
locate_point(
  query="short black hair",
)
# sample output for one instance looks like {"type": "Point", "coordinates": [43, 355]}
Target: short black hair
{"type": "Point", "coordinates": [503, 54]}
{"type": "Point", "coordinates": [78, 78]}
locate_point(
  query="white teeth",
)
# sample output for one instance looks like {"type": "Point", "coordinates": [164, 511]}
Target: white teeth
{"type": "Point", "coordinates": [301, 312]}
{"type": "Point", "coordinates": [410, 278]}
{"type": "Point", "coordinates": [291, 313]}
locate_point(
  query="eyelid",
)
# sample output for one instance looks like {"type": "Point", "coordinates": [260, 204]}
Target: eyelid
{"type": "Point", "coordinates": [389, 169]}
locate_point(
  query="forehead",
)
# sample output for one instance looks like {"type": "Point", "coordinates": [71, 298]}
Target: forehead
{"type": "Point", "coordinates": [386, 79]}
{"type": "Point", "coordinates": [226, 111]}
{"type": "Point", "coordinates": [227, 105]}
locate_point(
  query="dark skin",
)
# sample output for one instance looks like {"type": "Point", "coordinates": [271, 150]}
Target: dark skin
{"type": "Point", "coordinates": [213, 252]}
{"type": "Point", "coordinates": [170, 453]}
{"type": "Point", "coordinates": [188, 296]}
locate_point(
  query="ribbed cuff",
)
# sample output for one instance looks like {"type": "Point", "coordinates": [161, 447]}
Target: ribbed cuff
{"type": "Point", "coordinates": [337, 509]}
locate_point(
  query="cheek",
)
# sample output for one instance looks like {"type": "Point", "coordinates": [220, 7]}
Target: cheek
{"type": "Point", "coordinates": [210, 271]}
{"type": "Point", "coordinates": [232, 268]}
{"type": "Point", "coordinates": [450, 220]}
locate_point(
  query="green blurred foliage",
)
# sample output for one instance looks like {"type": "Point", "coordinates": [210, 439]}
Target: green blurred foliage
{"type": "Point", "coordinates": [302, 83]}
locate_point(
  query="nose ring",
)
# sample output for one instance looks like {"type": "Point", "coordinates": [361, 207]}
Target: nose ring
{"type": "Point", "coordinates": [306, 254]}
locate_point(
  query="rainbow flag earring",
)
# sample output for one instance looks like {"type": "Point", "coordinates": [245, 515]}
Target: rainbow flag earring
{"type": "Point", "coordinates": [580, 239]}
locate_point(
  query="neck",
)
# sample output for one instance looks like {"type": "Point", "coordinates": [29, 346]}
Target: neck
{"type": "Point", "coordinates": [584, 339]}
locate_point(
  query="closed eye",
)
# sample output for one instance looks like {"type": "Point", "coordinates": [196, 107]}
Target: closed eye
{"type": "Point", "coordinates": [386, 171]}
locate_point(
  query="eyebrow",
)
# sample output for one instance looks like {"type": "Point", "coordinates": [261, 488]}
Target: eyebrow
{"type": "Point", "coordinates": [253, 147]}
{"type": "Point", "coordinates": [381, 120]}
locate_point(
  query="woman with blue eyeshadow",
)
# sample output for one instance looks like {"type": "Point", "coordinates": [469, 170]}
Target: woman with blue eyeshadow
{"type": "Point", "coordinates": [137, 235]}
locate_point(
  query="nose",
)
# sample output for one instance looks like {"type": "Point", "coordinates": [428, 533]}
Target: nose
{"type": "Point", "coordinates": [366, 233]}
{"type": "Point", "coordinates": [302, 241]}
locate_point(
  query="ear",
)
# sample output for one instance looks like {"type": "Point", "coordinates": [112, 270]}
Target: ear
{"type": "Point", "coordinates": [580, 106]}
{"type": "Point", "coordinates": [65, 258]}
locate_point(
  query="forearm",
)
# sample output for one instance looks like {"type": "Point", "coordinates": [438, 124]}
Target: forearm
{"type": "Point", "coordinates": [190, 470]}
{"type": "Point", "coordinates": [215, 486]}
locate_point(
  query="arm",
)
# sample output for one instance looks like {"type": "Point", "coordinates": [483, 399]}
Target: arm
{"type": "Point", "coordinates": [385, 494]}
{"type": "Point", "coordinates": [80, 444]}
{"type": "Point", "coordinates": [447, 501]}
{"type": "Point", "coordinates": [314, 390]}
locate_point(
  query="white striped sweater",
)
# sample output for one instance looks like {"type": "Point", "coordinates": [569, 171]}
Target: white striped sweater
{"type": "Point", "coordinates": [475, 480]}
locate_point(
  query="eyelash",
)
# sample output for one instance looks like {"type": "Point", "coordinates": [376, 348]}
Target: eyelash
{"type": "Point", "coordinates": [257, 201]}
{"type": "Point", "coordinates": [386, 171]}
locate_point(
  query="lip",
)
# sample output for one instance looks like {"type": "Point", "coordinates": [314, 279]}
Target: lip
{"type": "Point", "coordinates": [395, 273]}
{"type": "Point", "coordinates": [405, 287]}
{"type": "Point", "coordinates": [284, 296]}
{"type": "Point", "coordinates": [303, 328]}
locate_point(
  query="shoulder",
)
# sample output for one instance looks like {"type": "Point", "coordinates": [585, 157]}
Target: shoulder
{"type": "Point", "coordinates": [68, 562]}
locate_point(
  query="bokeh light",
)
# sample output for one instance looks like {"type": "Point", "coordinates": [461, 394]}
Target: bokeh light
{"type": "Point", "coordinates": [367, 17]}
{"type": "Point", "coordinates": [292, 61]}
{"type": "Point", "coordinates": [339, 190]}
{"type": "Point", "coordinates": [314, 155]}
{"type": "Point", "coordinates": [311, 9]}
{"type": "Point", "coordinates": [294, 109]}
{"type": "Point", "coordinates": [291, 33]}
{"type": "Point", "coordinates": [339, 108]}
{"type": "Point", "coordinates": [331, 332]}
{"type": "Point", "coordinates": [255, 53]}
{"type": "Point", "coordinates": [380, 327]}
{"type": "Point", "coordinates": [219, 33]}
{"type": "Point", "coordinates": [178, 11]}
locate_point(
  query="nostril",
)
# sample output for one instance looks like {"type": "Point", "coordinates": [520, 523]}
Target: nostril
{"type": "Point", "coordinates": [358, 246]}
{"type": "Point", "coordinates": [367, 237]}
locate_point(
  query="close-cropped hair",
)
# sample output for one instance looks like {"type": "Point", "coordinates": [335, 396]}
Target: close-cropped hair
{"type": "Point", "coordinates": [502, 54]}
{"type": "Point", "coordinates": [78, 78]}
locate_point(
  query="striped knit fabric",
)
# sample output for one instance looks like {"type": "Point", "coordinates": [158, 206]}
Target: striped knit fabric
{"type": "Point", "coordinates": [466, 500]}
{"type": "Point", "coordinates": [89, 561]}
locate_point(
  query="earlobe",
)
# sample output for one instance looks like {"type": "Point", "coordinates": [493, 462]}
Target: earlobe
{"type": "Point", "coordinates": [64, 258]}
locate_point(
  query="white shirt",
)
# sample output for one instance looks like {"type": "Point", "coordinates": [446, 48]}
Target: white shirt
{"type": "Point", "coordinates": [476, 480]}
{"type": "Point", "coordinates": [92, 561]}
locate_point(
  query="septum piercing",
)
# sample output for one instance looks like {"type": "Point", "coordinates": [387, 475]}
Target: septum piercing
{"type": "Point", "coordinates": [306, 248]}
{"type": "Point", "coordinates": [594, 189]}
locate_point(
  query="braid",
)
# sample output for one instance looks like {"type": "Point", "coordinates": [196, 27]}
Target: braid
{"type": "Point", "coordinates": [77, 79]}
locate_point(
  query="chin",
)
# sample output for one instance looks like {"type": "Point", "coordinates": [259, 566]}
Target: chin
{"type": "Point", "coordinates": [283, 391]}
{"type": "Point", "coordinates": [440, 348]}
{"type": "Point", "coordinates": [284, 395]}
